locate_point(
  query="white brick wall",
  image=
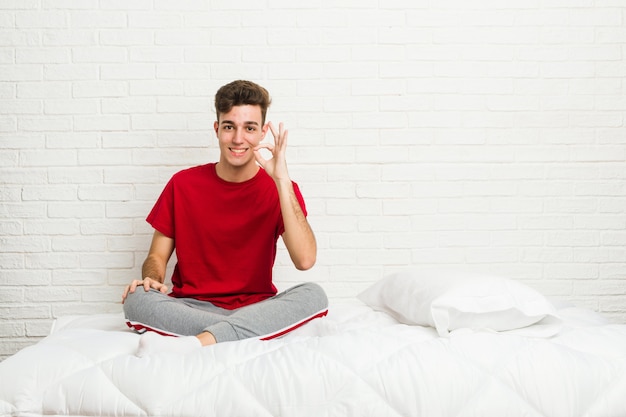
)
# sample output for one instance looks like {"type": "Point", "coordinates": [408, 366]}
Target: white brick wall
{"type": "Point", "coordinates": [487, 134]}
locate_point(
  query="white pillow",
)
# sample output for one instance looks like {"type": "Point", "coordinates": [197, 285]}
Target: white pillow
{"type": "Point", "coordinates": [451, 300]}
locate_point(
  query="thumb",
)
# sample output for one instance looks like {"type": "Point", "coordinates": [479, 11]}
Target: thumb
{"type": "Point", "coordinates": [259, 158]}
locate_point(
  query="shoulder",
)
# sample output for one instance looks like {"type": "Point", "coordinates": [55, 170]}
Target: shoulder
{"type": "Point", "coordinates": [200, 171]}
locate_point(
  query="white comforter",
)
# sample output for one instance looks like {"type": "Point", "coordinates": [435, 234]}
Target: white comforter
{"type": "Point", "coordinates": [355, 362]}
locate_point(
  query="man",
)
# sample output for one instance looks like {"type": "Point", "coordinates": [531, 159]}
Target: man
{"type": "Point", "coordinates": [224, 219]}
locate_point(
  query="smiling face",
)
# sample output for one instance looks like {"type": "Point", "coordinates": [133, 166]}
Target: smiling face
{"type": "Point", "coordinates": [239, 131]}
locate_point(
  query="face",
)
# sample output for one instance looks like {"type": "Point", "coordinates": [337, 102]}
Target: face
{"type": "Point", "coordinates": [239, 131]}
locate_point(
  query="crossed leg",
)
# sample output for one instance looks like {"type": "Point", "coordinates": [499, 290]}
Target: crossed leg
{"type": "Point", "coordinates": [155, 314]}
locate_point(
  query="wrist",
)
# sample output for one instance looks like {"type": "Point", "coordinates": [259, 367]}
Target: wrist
{"type": "Point", "coordinates": [283, 183]}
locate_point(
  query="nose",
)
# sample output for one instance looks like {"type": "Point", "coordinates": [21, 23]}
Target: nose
{"type": "Point", "coordinates": [238, 137]}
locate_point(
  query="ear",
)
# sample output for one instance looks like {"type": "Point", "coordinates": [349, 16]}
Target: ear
{"type": "Point", "coordinates": [216, 126]}
{"type": "Point", "coordinates": [264, 129]}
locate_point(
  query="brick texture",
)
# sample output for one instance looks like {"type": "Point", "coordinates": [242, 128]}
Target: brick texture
{"type": "Point", "coordinates": [486, 135]}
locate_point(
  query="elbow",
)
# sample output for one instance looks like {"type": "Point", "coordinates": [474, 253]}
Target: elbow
{"type": "Point", "coordinates": [302, 251]}
{"type": "Point", "coordinates": [305, 263]}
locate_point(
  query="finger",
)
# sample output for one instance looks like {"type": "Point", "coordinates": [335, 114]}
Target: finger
{"type": "Point", "coordinates": [259, 158]}
{"type": "Point", "coordinates": [125, 293]}
{"type": "Point", "coordinates": [147, 283]}
{"type": "Point", "coordinates": [272, 129]}
{"type": "Point", "coordinates": [130, 289]}
{"type": "Point", "coordinates": [278, 135]}
{"type": "Point", "coordinates": [163, 289]}
{"type": "Point", "coordinates": [133, 285]}
{"type": "Point", "coordinates": [283, 142]}
{"type": "Point", "coordinates": [278, 138]}
{"type": "Point", "coordinates": [264, 145]}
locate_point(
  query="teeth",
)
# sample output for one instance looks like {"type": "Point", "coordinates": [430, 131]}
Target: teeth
{"type": "Point", "coordinates": [237, 150]}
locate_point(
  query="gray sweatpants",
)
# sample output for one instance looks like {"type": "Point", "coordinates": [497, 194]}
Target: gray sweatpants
{"type": "Point", "coordinates": [269, 318]}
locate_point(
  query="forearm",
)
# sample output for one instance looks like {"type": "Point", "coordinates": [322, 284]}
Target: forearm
{"type": "Point", "coordinates": [298, 235]}
{"type": "Point", "coordinates": [154, 268]}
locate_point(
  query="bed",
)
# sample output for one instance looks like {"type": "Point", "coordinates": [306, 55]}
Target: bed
{"type": "Point", "coordinates": [412, 344]}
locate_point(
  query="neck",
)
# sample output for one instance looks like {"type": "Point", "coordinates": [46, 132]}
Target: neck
{"type": "Point", "coordinates": [236, 174]}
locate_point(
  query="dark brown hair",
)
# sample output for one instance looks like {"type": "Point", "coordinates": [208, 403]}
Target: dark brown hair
{"type": "Point", "coordinates": [239, 93]}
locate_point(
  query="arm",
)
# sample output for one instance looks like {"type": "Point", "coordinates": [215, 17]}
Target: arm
{"type": "Point", "coordinates": [161, 250]}
{"type": "Point", "coordinates": [298, 235]}
{"type": "Point", "coordinates": [153, 269]}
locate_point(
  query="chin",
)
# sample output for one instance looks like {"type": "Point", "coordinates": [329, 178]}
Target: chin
{"type": "Point", "coordinates": [239, 163]}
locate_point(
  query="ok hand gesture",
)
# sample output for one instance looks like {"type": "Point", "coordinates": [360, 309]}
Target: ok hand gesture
{"type": "Point", "coordinates": [276, 167]}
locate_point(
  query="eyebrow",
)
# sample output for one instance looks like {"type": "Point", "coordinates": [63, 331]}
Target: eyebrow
{"type": "Point", "coordinates": [230, 122]}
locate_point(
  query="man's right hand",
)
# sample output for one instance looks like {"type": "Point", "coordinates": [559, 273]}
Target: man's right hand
{"type": "Point", "coordinates": [146, 283]}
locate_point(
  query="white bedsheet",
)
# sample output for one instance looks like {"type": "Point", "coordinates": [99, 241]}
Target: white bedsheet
{"type": "Point", "coordinates": [354, 362]}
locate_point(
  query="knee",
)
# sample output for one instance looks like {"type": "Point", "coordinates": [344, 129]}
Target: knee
{"type": "Point", "coordinates": [130, 304]}
{"type": "Point", "coordinates": [133, 302]}
{"type": "Point", "coordinates": [316, 294]}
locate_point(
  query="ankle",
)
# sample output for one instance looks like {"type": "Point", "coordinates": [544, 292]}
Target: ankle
{"type": "Point", "coordinates": [206, 338]}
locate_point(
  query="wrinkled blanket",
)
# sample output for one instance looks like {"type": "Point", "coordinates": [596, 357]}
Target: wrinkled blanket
{"type": "Point", "coordinates": [354, 362]}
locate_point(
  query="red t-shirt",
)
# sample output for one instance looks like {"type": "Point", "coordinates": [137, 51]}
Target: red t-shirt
{"type": "Point", "coordinates": [225, 235]}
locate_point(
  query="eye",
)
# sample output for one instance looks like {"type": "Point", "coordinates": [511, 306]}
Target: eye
{"type": "Point", "coordinates": [251, 128]}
